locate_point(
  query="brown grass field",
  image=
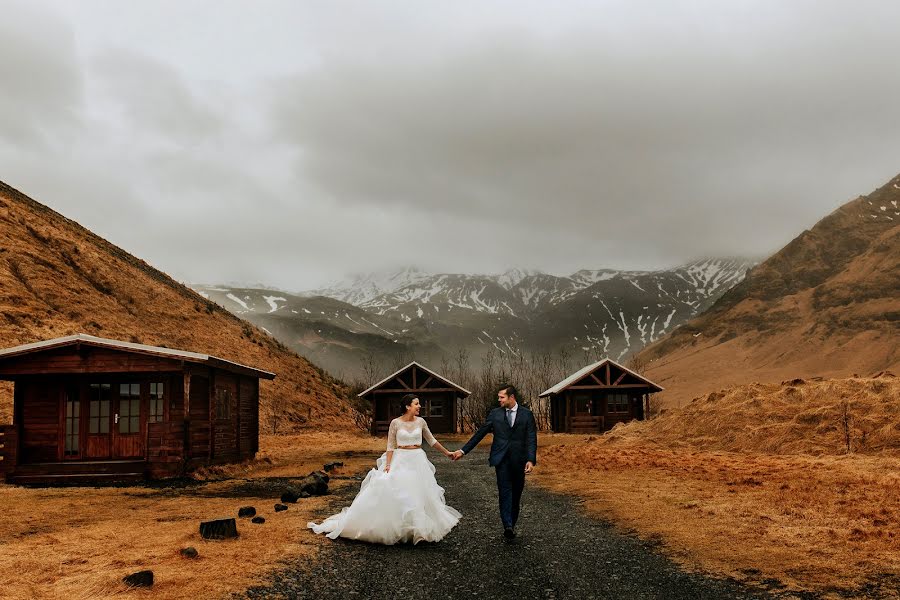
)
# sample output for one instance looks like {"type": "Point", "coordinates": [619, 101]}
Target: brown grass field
{"type": "Point", "coordinates": [755, 482]}
{"type": "Point", "coordinates": [79, 542]}
{"type": "Point", "coordinates": [718, 485]}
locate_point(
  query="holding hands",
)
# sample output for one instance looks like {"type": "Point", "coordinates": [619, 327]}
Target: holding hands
{"type": "Point", "coordinates": [454, 456]}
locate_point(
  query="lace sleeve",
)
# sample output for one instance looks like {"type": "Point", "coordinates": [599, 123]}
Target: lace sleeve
{"type": "Point", "coordinates": [426, 433]}
{"type": "Point", "coordinates": [392, 436]}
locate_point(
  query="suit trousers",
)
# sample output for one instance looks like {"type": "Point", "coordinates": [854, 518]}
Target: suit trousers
{"type": "Point", "coordinates": [510, 483]}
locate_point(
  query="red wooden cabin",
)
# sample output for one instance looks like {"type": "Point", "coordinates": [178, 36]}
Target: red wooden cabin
{"type": "Point", "coordinates": [597, 397]}
{"type": "Point", "coordinates": [437, 395]}
{"type": "Point", "coordinates": [90, 409]}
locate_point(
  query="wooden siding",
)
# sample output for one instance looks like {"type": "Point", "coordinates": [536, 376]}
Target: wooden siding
{"type": "Point", "coordinates": [85, 360]}
{"type": "Point", "coordinates": [40, 422]}
{"type": "Point", "coordinates": [9, 445]}
{"type": "Point", "coordinates": [225, 436]}
{"type": "Point", "coordinates": [249, 416]}
{"type": "Point", "coordinates": [165, 443]}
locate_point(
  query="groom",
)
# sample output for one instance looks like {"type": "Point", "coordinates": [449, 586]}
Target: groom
{"type": "Point", "coordinates": [513, 452]}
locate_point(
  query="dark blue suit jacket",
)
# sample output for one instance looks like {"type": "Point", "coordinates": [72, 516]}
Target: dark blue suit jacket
{"type": "Point", "coordinates": [518, 442]}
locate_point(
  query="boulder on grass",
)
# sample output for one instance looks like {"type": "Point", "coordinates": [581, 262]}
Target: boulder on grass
{"type": "Point", "coordinates": [315, 484]}
{"type": "Point", "coordinates": [246, 511]}
{"type": "Point", "coordinates": [290, 495]}
{"type": "Point", "coordinates": [218, 529]}
{"type": "Point", "coordinates": [139, 579]}
{"type": "Point", "coordinates": [258, 520]}
{"type": "Point", "coordinates": [189, 552]}
{"type": "Point", "coordinates": [280, 508]}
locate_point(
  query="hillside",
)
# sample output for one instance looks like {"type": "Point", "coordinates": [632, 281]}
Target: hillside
{"type": "Point", "coordinates": [827, 304]}
{"type": "Point", "coordinates": [57, 278]}
{"type": "Point", "coordinates": [825, 417]}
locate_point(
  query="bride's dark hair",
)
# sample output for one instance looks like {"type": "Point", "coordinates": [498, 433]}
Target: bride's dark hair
{"type": "Point", "coordinates": [405, 401]}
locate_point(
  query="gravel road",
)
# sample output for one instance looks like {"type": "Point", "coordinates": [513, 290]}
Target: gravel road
{"type": "Point", "coordinates": [560, 553]}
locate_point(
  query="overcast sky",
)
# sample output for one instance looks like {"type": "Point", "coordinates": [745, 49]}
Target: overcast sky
{"type": "Point", "coordinates": [293, 143]}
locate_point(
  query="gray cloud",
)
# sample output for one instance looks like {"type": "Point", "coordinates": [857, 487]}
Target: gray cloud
{"type": "Point", "coordinates": [42, 85]}
{"type": "Point", "coordinates": [292, 145]}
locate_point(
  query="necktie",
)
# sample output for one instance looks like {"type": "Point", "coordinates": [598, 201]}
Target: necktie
{"type": "Point", "coordinates": [509, 416]}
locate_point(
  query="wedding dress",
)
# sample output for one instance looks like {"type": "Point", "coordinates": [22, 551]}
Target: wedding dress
{"type": "Point", "coordinates": [405, 504]}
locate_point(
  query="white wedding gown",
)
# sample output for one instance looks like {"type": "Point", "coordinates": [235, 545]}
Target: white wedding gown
{"type": "Point", "coordinates": [404, 505]}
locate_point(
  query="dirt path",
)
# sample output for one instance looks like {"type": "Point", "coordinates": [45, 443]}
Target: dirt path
{"type": "Point", "coordinates": [560, 553]}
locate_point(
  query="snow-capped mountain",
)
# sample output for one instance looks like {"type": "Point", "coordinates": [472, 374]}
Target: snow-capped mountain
{"type": "Point", "coordinates": [598, 312]}
{"type": "Point", "coordinates": [362, 288]}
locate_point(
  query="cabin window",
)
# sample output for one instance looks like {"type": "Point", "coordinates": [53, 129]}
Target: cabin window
{"type": "Point", "coordinates": [223, 403]}
{"type": "Point", "coordinates": [73, 422]}
{"type": "Point", "coordinates": [98, 411]}
{"type": "Point", "coordinates": [436, 407]}
{"type": "Point", "coordinates": [617, 403]}
{"type": "Point", "coordinates": [129, 408]}
{"type": "Point", "coordinates": [156, 402]}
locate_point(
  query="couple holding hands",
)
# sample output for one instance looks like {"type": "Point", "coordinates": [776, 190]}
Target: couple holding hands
{"type": "Point", "coordinates": [401, 501]}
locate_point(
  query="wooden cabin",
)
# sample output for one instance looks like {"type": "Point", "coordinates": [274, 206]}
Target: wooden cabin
{"type": "Point", "coordinates": [437, 395]}
{"type": "Point", "coordinates": [597, 397]}
{"type": "Point", "coordinates": [92, 409]}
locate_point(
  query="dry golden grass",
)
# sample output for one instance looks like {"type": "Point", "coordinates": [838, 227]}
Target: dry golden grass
{"type": "Point", "coordinates": [751, 483]}
{"type": "Point", "coordinates": [80, 542]}
{"type": "Point", "coordinates": [796, 416]}
{"type": "Point", "coordinates": [57, 279]}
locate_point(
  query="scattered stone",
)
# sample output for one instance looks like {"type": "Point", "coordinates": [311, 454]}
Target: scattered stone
{"type": "Point", "coordinates": [291, 495]}
{"type": "Point", "coordinates": [218, 529]}
{"type": "Point", "coordinates": [189, 552]}
{"type": "Point", "coordinates": [315, 484]}
{"type": "Point", "coordinates": [333, 465]}
{"type": "Point", "coordinates": [246, 511]}
{"type": "Point", "coordinates": [139, 579]}
{"type": "Point", "coordinates": [280, 508]}
{"type": "Point", "coordinates": [258, 520]}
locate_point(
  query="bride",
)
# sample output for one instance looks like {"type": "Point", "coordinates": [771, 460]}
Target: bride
{"type": "Point", "coordinates": [399, 500]}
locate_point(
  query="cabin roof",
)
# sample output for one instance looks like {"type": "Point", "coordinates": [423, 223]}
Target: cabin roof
{"type": "Point", "coordinates": [424, 368]}
{"type": "Point", "coordinates": [90, 340]}
{"type": "Point", "coordinates": [574, 377]}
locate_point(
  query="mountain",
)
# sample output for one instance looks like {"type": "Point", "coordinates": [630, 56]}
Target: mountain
{"type": "Point", "coordinates": [432, 316]}
{"type": "Point", "coordinates": [827, 304]}
{"type": "Point", "coordinates": [334, 334]}
{"type": "Point", "coordinates": [57, 278]}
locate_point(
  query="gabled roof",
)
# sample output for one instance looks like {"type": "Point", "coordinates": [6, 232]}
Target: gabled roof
{"type": "Point", "coordinates": [90, 340]}
{"type": "Point", "coordinates": [424, 368]}
{"type": "Point", "coordinates": [574, 377]}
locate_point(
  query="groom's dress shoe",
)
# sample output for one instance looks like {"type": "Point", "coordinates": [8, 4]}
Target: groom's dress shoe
{"type": "Point", "coordinates": [509, 533]}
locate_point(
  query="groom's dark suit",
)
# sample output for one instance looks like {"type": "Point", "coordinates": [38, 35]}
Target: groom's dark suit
{"type": "Point", "coordinates": [511, 449]}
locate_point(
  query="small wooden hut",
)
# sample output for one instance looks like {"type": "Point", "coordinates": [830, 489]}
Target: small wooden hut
{"type": "Point", "coordinates": [597, 397]}
{"type": "Point", "coordinates": [92, 409]}
{"type": "Point", "coordinates": [438, 396]}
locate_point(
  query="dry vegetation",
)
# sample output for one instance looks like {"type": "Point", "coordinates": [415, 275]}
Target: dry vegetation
{"type": "Point", "coordinates": [756, 482]}
{"type": "Point", "coordinates": [827, 304]}
{"type": "Point", "coordinates": [57, 279]}
{"type": "Point", "coordinates": [80, 542]}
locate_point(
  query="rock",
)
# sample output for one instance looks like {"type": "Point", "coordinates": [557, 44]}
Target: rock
{"type": "Point", "coordinates": [258, 520]}
{"type": "Point", "coordinates": [291, 495]}
{"type": "Point", "coordinates": [315, 484]}
{"type": "Point", "coordinates": [246, 511]}
{"type": "Point", "coordinates": [332, 465]}
{"type": "Point", "coordinates": [305, 494]}
{"type": "Point", "coordinates": [218, 529]}
{"type": "Point", "coordinates": [189, 552]}
{"type": "Point", "coordinates": [139, 579]}
{"type": "Point", "coordinates": [280, 508]}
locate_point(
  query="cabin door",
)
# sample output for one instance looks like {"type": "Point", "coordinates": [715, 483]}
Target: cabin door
{"type": "Point", "coordinates": [126, 436]}
{"type": "Point", "coordinates": [98, 440]}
